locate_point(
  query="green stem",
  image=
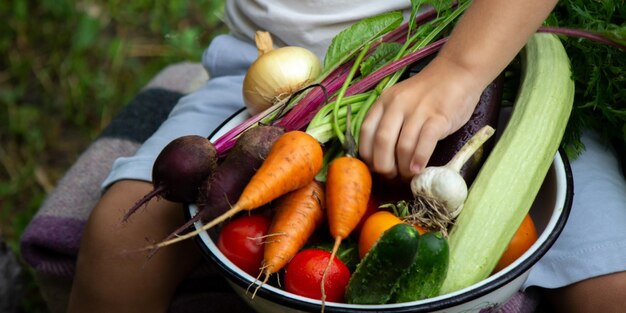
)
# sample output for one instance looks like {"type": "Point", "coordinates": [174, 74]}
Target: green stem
{"type": "Point", "coordinates": [343, 89]}
{"type": "Point", "coordinates": [323, 130]}
{"type": "Point", "coordinates": [360, 116]}
{"type": "Point", "coordinates": [324, 115]}
{"type": "Point", "coordinates": [334, 151]}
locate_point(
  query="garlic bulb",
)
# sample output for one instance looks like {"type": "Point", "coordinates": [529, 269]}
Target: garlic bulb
{"type": "Point", "coordinates": [440, 191]}
{"type": "Point", "coordinates": [277, 73]}
{"type": "Point", "coordinates": [442, 183]}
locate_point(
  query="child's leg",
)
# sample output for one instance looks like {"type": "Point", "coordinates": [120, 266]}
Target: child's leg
{"type": "Point", "coordinates": [110, 276]}
{"type": "Point", "coordinates": [599, 294]}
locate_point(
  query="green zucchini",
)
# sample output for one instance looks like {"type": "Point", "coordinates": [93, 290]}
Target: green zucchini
{"type": "Point", "coordinates": [510, 178]}
{"type": "Point", "coordinates": [377, 275]}
{"type": "Point", "coordinates": [426, 275]}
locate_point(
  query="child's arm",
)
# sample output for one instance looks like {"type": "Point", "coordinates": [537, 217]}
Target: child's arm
{"type": "Point", "coordinates": [402, 128]}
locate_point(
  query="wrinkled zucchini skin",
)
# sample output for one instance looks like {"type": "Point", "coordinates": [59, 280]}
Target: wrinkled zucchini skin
{"type": "Point", "coordinates": [509, 180]}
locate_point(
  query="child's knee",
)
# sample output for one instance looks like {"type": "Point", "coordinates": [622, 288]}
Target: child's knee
{"type": "Point", "coordinates": [598, 294]}
{"type": "Point", "coordinates": [106, 230]}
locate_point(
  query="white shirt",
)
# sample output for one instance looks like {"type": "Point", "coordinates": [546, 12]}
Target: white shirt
{"type": "Point", "coordinates": [306, 23]}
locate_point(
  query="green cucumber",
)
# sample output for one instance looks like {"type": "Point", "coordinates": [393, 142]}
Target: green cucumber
{"type": "Point", "coordinates": [378, 273]}
{"type": "Point", "coordinates": [426, 275]}
{"type": "Point", "coordinates": [510, 178]}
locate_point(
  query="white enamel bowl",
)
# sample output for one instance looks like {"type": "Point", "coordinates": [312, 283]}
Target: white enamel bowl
{"type": "Point", "coordinates": [550, 211]}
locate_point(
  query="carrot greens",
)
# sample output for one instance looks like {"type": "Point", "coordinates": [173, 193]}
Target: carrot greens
{"type": "Point", "coordinates": [599, 70]}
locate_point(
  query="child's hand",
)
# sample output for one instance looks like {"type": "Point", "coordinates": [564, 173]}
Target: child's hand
{"type": "Point", "coordinates": [402, 128]}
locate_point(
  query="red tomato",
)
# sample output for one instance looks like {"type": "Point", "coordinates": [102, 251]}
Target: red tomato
{"type": "Point", "coordinates": [240, 240]}
{"type": "Point", "coordinates": [303, 275]}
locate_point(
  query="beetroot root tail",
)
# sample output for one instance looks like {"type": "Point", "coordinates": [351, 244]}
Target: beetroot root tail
{"type": "Point", "coordinates": [155, 192]}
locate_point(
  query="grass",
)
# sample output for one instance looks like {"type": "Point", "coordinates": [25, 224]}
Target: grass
{"type": "Point", "coordinates": [66, 68]}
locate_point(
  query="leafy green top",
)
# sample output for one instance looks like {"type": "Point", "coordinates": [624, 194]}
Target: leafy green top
{"type": "Point", "coordinates": [599, 70]}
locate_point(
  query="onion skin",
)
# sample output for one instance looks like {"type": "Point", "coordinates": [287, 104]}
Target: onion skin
{"type": "Point", "coordinates": [277, 74]}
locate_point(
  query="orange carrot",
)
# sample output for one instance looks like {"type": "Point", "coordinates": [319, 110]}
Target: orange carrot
{"type": "Point", "coordinates": [298, 214]}
{"type": "Point", "coordinates": [348, 188]}
{"type": "Point", "coordinates": [292, 163]}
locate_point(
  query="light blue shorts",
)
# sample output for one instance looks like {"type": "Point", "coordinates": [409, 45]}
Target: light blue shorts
{"type": "Point", "coordinates": [226, 60]}
{"type": "Point", "coordinates": [592, 243]}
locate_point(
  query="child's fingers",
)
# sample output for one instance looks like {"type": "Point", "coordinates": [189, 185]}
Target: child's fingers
{"type": "Point", "coordinates": [407, 144]}
{"type": "Point", "coordinates": [368, 130]}
{"type": "Point", "coordinates": [431, 132]}
{"type": "Point", "coordinates": [385, 139]}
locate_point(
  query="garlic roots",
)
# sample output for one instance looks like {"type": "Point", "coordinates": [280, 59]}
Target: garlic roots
{"type": "Point", "coordinates": [440, 191]}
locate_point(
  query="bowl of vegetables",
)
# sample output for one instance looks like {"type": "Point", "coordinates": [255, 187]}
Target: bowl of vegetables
{"type": "Point", "coordinates": [281, 259]}
{"type": "Point", "coordinates": [548, 213]}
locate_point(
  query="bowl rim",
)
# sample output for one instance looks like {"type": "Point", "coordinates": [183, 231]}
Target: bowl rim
{"type": "Point", "coordinates": [486, 286]}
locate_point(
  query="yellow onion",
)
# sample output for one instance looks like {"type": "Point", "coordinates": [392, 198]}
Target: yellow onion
{"type": "Point", "coordinates": [277, 73]}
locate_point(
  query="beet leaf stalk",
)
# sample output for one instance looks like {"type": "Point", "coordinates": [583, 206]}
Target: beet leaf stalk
{"type": "Point", "coordinates": [584, 34]}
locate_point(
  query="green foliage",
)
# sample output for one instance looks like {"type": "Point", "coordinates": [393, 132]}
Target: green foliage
{"type": "Point", "coordinates": [350, 40]}
{"type": "Point", "coordinates": [599, 70]}
{"type": "Point", "coordinates": [385, 52]}
{"type": "Point", "coordinates": [66, 68]}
